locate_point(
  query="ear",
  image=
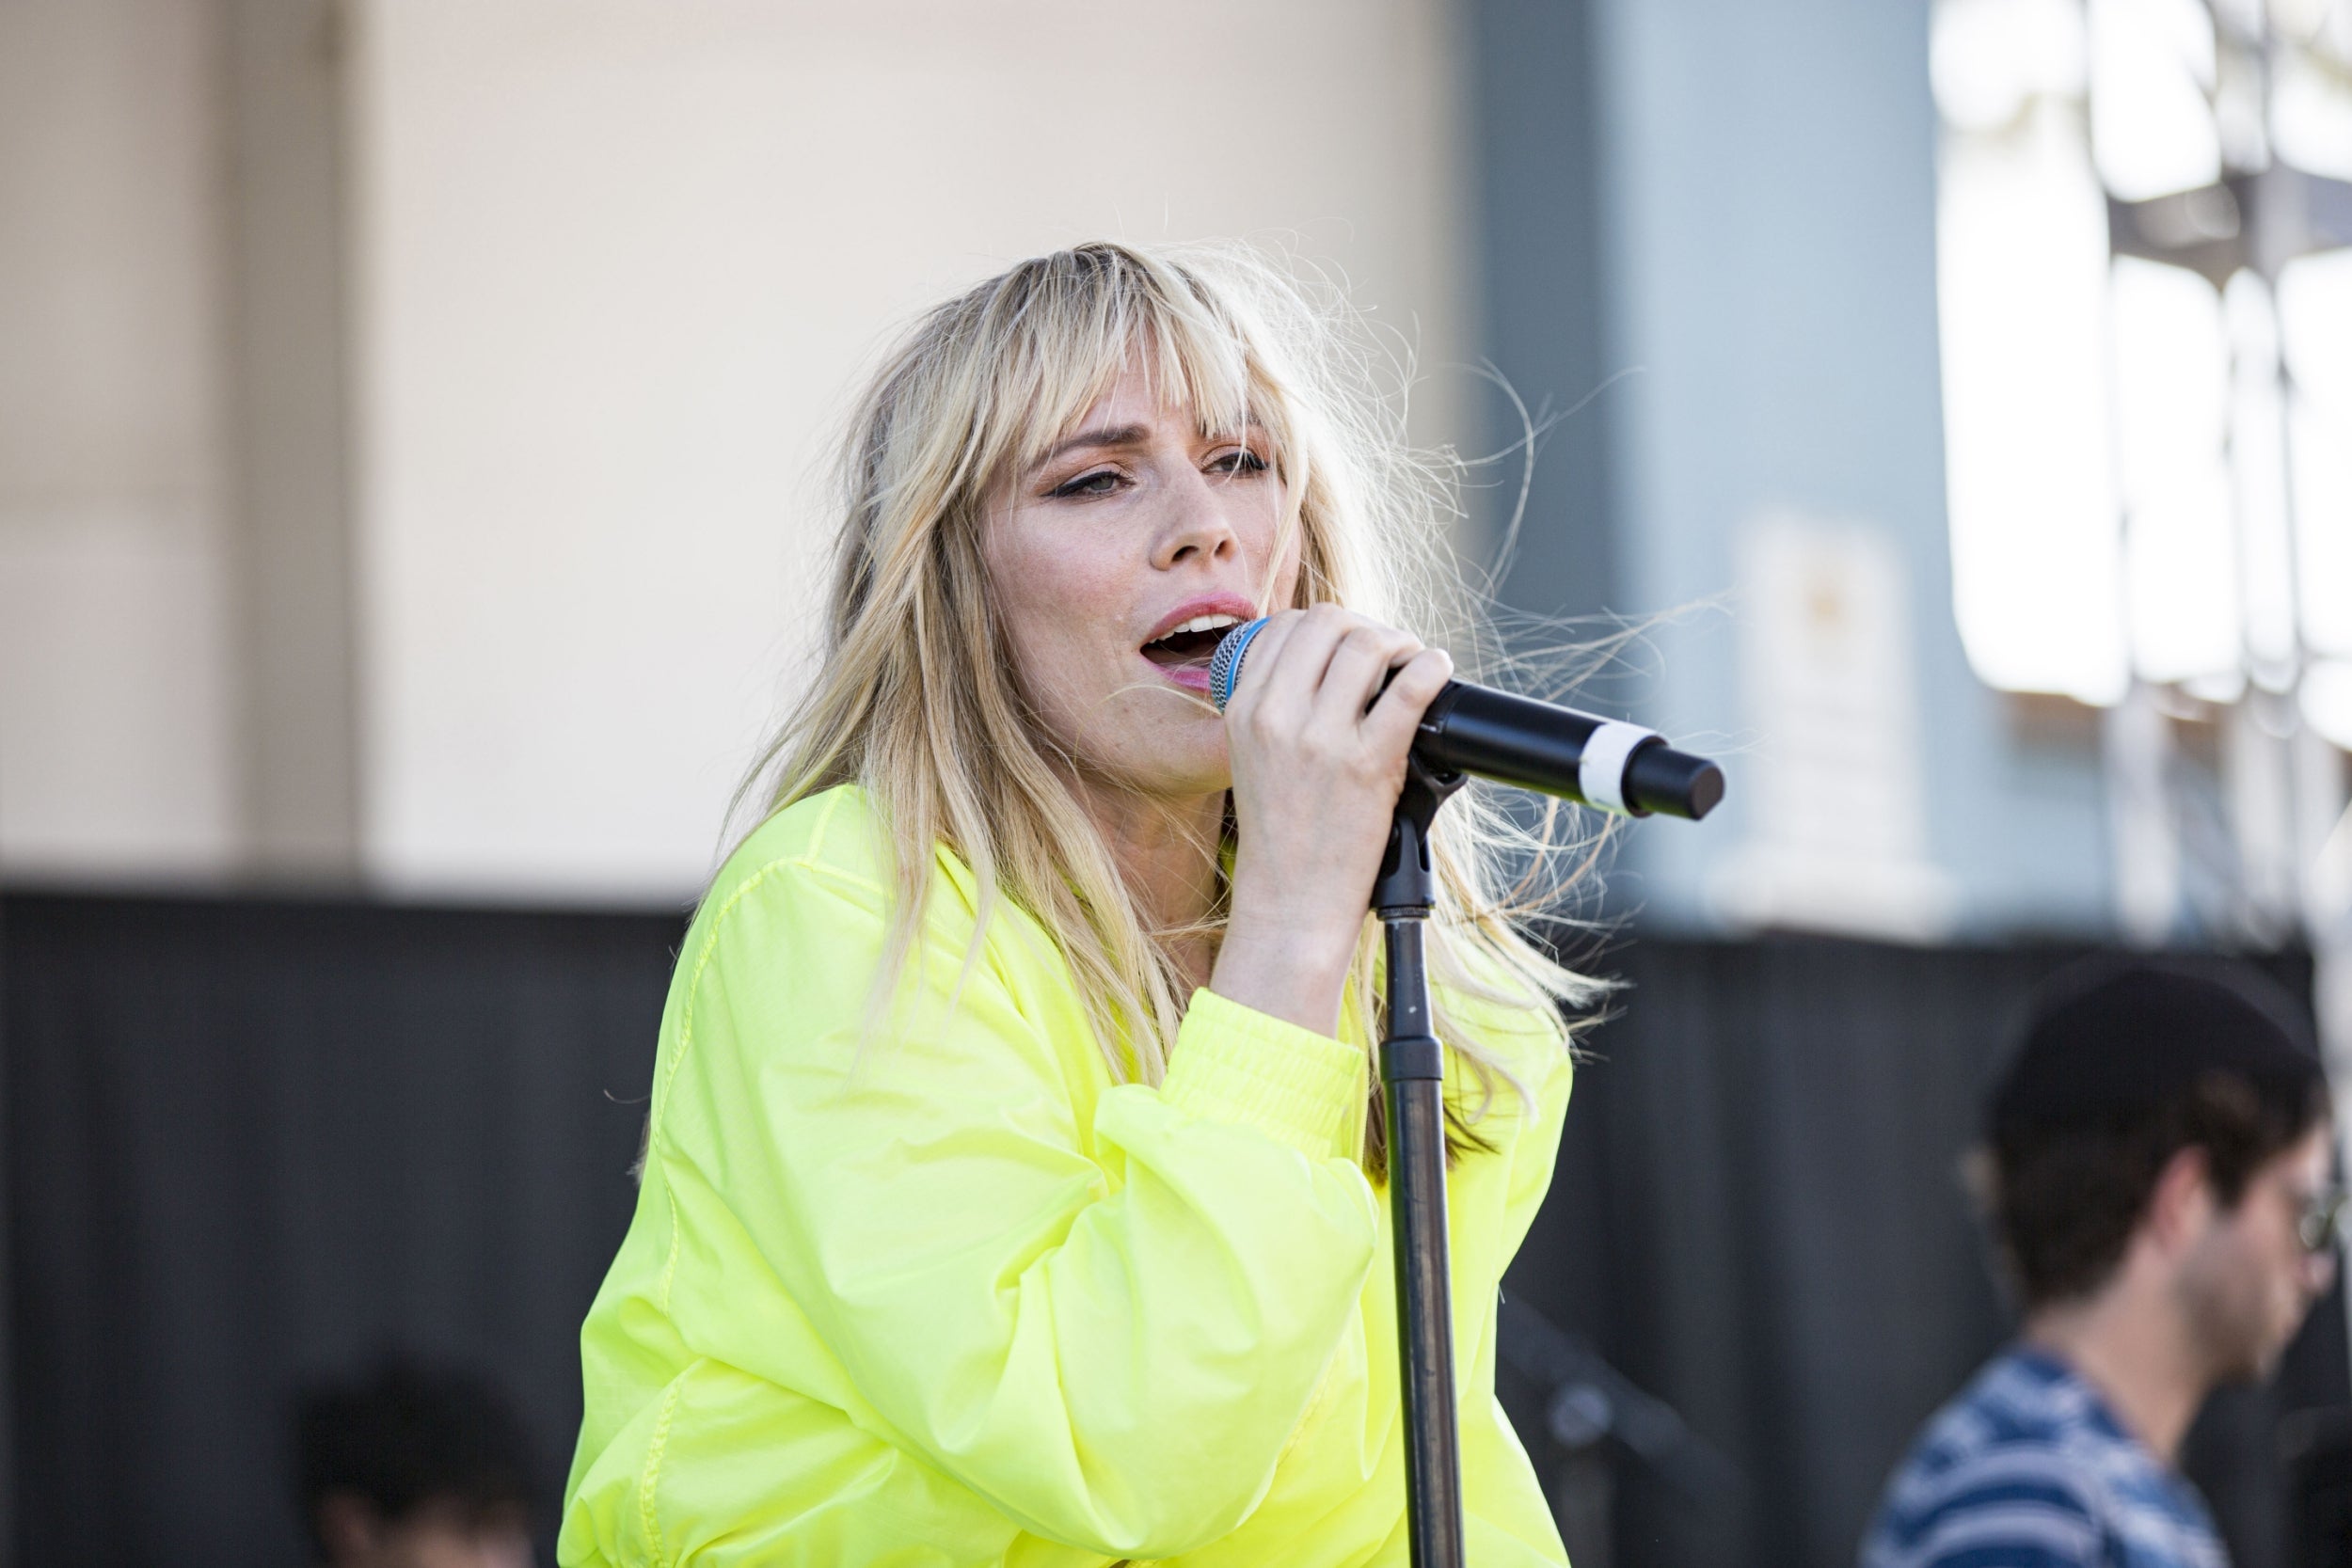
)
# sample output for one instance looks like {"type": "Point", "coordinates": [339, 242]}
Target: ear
{"type": "Point", "coordinates": [349, 1526]}
{"type": "Point", "coordinates": [2183, 1204]}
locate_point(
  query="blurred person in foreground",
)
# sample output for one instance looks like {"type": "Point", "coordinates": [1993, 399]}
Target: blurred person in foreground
{"type": "Point", "coordinates": [2157, 1178]}
{"type": "Point", "coordinates": [1011, 1192]}
{"type": "Point", "coordinates": [413, 1466]}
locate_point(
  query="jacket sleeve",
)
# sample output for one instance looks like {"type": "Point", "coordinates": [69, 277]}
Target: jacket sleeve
{"type": "Point", "coordinates": [1507, 1521]}
{"type": "Point", "coordinates": [1107, 1328]}
{"type": "Point", "coordinates": [1549, 1069]}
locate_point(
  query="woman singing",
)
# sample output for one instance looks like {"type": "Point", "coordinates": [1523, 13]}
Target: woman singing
{"type": "Point", "coordinates": [1011, 1190]}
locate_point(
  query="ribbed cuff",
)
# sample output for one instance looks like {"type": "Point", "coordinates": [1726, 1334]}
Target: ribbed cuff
{"type": "Point", "coordinates": [1235, 1064]}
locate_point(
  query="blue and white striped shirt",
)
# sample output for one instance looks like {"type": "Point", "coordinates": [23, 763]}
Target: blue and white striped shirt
{"type": "Point", "coordinates": [2027, 1468]}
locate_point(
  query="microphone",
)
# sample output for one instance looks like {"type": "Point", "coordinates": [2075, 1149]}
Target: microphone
{"type": "Point", "coordinates": [1604, 763]}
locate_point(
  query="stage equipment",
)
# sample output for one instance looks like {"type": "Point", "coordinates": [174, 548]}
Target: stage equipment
{"type": "Point", "coordinates": [1516, 740]}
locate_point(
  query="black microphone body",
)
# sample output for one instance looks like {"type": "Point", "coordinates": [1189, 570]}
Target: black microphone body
{"type": "Point", "coordinates": [1605, 763]}
{"type": "Point", "coordinates": [1557, 750]}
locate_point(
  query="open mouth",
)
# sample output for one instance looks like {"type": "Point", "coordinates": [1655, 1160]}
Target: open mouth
{"type": "Point", "coordinates": [1189, 647]}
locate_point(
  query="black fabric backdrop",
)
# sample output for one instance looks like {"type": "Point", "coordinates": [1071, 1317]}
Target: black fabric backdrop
{"type": "Point", "coordinates": [251, 1143]}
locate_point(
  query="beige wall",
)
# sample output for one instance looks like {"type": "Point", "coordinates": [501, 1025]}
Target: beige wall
{"type": "Point", "coordinates": [117, 717]}
{"type": "Point", "coordinates": [623, 261]}
{"type": "Point", "coordinates": [609, 268]}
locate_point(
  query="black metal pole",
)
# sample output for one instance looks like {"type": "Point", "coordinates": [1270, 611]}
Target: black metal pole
{"type": "Point", "coordinates": [1412, 1072]}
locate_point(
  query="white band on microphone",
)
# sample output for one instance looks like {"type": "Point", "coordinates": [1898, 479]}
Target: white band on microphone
{"type": "Point", "coordinates": [1600, 772]}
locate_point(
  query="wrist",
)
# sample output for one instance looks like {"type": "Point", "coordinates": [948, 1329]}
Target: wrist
{"type": "Point", "coordinates": [1285, 970]}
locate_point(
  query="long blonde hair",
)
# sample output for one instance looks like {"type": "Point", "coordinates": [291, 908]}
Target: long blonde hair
{"type": "Point", "coordinates": [914, 700]}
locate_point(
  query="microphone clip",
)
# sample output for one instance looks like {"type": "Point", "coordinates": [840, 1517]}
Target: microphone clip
{"type": "Point", "coordinates": [1407, 887]}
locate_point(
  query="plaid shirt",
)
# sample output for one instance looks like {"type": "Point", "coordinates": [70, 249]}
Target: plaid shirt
{"type": "Point", "coordinates": [2027, 1467]}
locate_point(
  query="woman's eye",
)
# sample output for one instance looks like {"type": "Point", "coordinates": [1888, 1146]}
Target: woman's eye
{"type": "Point", "coordinates": [1242, 461]}
{"type": "Point", "coordinates": [1100, 482]}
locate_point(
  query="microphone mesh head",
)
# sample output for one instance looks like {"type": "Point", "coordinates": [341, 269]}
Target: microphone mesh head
{"type": "Point", "coordinates": [1225, 664]}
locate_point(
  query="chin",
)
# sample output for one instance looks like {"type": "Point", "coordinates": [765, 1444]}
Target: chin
{"type": "Point", "coordinates": [1184, 764]}
{"type": "Point", "coordinates": [1164, 775]}
{"type": "Point", "coordinates": [1209, 777]}
{"type": "Point", "coordinates": [2260, 1364]}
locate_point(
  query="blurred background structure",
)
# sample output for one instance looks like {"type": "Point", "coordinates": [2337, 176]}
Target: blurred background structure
{"type": "Point", "coordinates": [410, 510]}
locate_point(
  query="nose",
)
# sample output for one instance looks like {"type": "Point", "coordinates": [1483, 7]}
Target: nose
{"type": "Point", "coordinates": [1194, 527]}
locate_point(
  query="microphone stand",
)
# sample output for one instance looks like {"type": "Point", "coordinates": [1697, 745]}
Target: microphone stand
{"type": "Point", "coordinates": [1412, 1074]}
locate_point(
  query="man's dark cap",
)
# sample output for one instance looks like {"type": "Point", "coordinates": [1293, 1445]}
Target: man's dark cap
{"type": "Point", "coordinates": [2116, 1034]}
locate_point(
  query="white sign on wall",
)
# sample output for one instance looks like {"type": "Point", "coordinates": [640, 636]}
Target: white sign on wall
{"type": "Point", "coordinates": [1840, 811]}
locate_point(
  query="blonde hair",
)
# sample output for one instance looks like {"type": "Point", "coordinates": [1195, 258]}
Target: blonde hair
{"type": "Point", "coordinates": [915, 703]}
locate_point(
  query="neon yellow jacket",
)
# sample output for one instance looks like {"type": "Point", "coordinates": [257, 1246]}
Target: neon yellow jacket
{"type": "Point", "coordinates": [952, 1298]}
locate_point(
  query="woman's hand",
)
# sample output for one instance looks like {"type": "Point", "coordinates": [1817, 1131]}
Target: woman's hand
{"type": "Point", "coordinates": [1316, 776]}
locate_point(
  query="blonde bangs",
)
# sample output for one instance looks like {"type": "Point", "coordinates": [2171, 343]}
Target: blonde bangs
{"type": "Point", "coordinates": [1068, 337]}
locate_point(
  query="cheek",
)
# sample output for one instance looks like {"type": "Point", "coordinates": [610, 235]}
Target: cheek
{"type": "Point", "coordinates": [1039, 656]}
{"type": "Point", "coordinates": [1064, 577]}
{"type": "Point", "coordinates": [2277, 1273]}
{"type": "Point", "coordinates": [1021, 590]}
{"type": "Point", "coordinates": [1053, 602]}
{"type": "Point", "coordinates": [1284, 570]}
{"type": "Point", "coordinates": [1015, 568]}
{"type": "Point", "coordinates": [1285, 583]}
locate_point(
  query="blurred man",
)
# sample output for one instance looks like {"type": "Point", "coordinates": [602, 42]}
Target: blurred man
{"type": "Point", "coordinates": [2157, 1177]}
{"type": "Point", "coordinates": [414, 1469]}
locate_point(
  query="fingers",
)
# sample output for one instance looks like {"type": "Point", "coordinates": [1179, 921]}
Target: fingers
{"type": "Point", "coordinates": [1322, 664]}
{"type": "Point", "coordinates": [1393, 718]}
{"type": "Point", "coordinates": [1259, 661]}
{"type": "Point", "coordinates": [1284, 666]}
{"type": "Point", "coordinates": [1317, 764]}
{"type": "Point", "coordinates": [1361, 662]}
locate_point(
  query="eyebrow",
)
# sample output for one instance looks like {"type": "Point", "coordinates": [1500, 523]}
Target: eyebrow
{"type": "Point", "coordinates": [1113, 436]}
